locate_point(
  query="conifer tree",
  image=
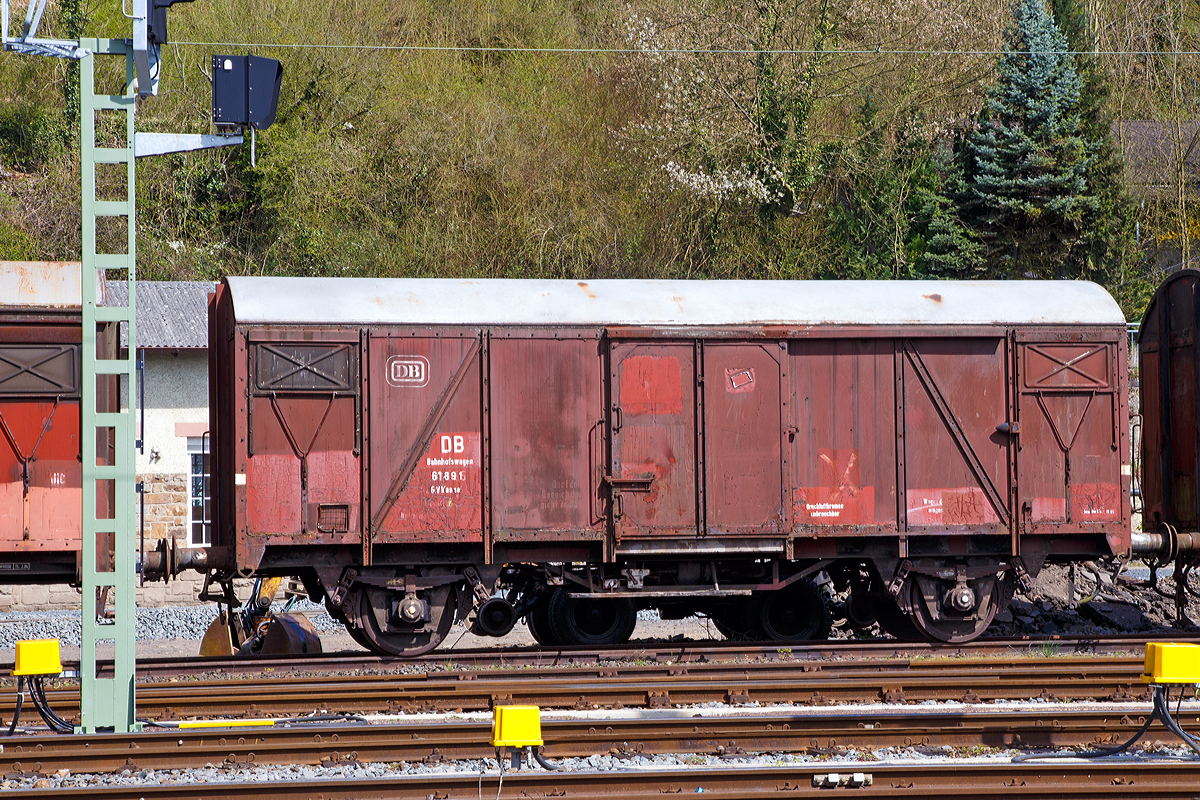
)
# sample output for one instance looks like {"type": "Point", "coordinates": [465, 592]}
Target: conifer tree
{"type": "Point", "coordinates": [1025, 167]}
{"type": "Point", "coordinates": [950, 249]}
{"type": "Point", "coordinates": [1109, 225]}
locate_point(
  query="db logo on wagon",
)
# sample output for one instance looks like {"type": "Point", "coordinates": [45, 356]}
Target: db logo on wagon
{"type": "Point", "coordinates": [407, 371]}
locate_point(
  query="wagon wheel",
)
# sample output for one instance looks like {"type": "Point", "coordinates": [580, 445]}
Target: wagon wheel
{"type": "Point", "coordinates": [373, 603]}
{"type": "Point", "coordinates": [925, 599]}
{"type": "Point", "coordinates": [353, 630]}
{"type": "Point", "coordinates": [584, 621]}
{"type": "Point", "coordinates": [538, 621]}
{"type": "Point", "coordinates": [797, 613]}
{"type": "Point", "coordinates": [358, 636]}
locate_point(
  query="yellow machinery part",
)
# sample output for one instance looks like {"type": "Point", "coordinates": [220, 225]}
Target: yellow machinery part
{"type": "Point", "coordinates": [218, 639]}
{"type": "Point", "coordinates": [291, 634]}
{"type": "Point", "coordinates": [266, 593]}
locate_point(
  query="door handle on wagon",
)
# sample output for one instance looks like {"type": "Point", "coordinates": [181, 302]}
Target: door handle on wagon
{"type": "Point", "coordinates": [642, 483]}
{"type": "Point", "coordinates": [1012, 428]}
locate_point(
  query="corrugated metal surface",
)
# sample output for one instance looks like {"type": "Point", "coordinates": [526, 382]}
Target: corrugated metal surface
{"type": "Point", "coordinates": [40, 284]}
{"type": "Point", "coordinates": [171, 315]}
{"type": "Point", "coordinates": [681, 303]}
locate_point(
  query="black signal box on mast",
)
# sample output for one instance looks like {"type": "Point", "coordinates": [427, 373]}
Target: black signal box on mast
{"type": "Point", "coordinates": [245, 91]}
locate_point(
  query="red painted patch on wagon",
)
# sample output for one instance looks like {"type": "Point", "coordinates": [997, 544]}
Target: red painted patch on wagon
{"type": "Point", "coordinates": [651, 385]}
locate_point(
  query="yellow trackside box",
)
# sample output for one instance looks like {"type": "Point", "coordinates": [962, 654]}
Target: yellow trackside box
{"type": "Point", "coordinates": [516, 726]}
{"type": "Point", "coordinates": [1171, 663]}
{"type": "Point", "coordinates": [38, 657]}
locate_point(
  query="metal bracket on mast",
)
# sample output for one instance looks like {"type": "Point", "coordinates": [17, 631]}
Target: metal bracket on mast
{"type": "Point", "coordinates": [160, 144]}
{"type": "Point", "coordinates": [145, 54]}
{"type": "Point", "coordinates": [28, 42]}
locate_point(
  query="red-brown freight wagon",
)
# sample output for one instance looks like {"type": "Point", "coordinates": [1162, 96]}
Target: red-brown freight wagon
{"type": "Point", "coordinates": [41, 474]}
{"type": "Point", "coordinates": [571, 452]}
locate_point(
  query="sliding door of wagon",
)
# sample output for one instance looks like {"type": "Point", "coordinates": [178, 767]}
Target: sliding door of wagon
{"type": "Point", "coordinates": [1069, 462]}
{"type": "Point", "coordinates": [743, 462]}
{"type": "Point", "coordinates": [426, 447]}
{"type": "Point", "coordinates": [956, 471]}
{"type": "Point", "coordinates": [653, 475]}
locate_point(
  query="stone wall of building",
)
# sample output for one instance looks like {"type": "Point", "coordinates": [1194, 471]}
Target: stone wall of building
{"type": "Point", "coordinates": [182, 591]}
{"type": "Point", "coordinates": [166, 504]}
{"type": "Point", "coordinates": [166, 517]}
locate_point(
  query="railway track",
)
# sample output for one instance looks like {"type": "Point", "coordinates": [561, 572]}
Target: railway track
{"type": "Point", "coordinates": [640, 686]}
{"type": "Point", "coordinates": [992, 781]}
{"type": "Point", "coordinates": [441, 741]}
{"type": "Point", "coordinates": [981, 781]}
{"type": "Point", "coordinates": [661, 653]}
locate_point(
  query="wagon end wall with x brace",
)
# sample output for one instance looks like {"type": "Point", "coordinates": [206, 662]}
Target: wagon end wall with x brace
{"type": "Point", "coordinates": [507, 423]}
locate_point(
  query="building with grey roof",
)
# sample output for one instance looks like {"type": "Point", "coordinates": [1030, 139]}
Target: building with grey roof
{"type": "Point", "coordinates": [172, 340]}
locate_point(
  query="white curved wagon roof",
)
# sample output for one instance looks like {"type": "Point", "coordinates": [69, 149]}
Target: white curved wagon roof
{"type": "Point", "coordinates": [435, 301]}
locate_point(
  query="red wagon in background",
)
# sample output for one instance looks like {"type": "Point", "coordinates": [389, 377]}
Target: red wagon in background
{"type": "Point", "coordinates": [41, 474]}
{"type": "Point", "coordinates": [418, 451]}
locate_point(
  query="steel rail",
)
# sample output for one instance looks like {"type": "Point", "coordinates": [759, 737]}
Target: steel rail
{"type": "Point", "coordinates": [986, 781]}
{"type": "Point", "coordinates": [805, 682]}
{"type": "Point", "coordinates": [444, 740]}
{"type": "Point", "coordinates": [673, 652]}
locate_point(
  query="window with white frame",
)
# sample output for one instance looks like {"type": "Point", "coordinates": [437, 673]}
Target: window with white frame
{"type": "Point", "coordinates": [199, 493]}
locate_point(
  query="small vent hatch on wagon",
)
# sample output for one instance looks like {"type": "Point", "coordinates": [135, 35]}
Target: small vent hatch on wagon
{"type": "Point", "coordinates": [48, 369]}
{"type": "Point", "coordinates": [286, 367]}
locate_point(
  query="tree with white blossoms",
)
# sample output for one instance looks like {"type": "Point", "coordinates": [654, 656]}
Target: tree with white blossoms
{"type": "Point", "coordinates": [792, 131]}
{"type": "Point", "coordinates": [732, 119]}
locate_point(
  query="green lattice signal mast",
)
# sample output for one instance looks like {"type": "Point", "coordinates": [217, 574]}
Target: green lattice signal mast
{"type": "Point", "coordinates": [109, 554]}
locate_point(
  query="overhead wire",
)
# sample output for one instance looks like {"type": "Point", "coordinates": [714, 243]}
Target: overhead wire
{"type": "Point", "coordinates": [448, 48]}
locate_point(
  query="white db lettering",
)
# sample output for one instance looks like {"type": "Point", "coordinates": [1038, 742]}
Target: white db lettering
{"type": "Point", "coordinates": [407, 371]}
{"type": "Point", "coordinates": [446, 444]}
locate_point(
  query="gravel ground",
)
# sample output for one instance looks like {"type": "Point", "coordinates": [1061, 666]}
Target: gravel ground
{"type": "Point", "coordinates": [176, 622]}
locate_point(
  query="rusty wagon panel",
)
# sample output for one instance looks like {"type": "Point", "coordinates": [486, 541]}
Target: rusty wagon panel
{"type": "Point", "coordinates": [955, 396]}
{"type": "Point", "coordinates": [547, 416]}
{"type": "Point", "coordinates": [1073, 433]}
{"type": "Point", "coordinates": [743, 432]}
{"type": "Point", "coordinates": [302, 467]}
{"type": "Point", "coordinates": [842, 436]}
{"type": "Point", "coordinates": [653, 439]}
{"type": "Point", "coordinates": [425, 436]}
